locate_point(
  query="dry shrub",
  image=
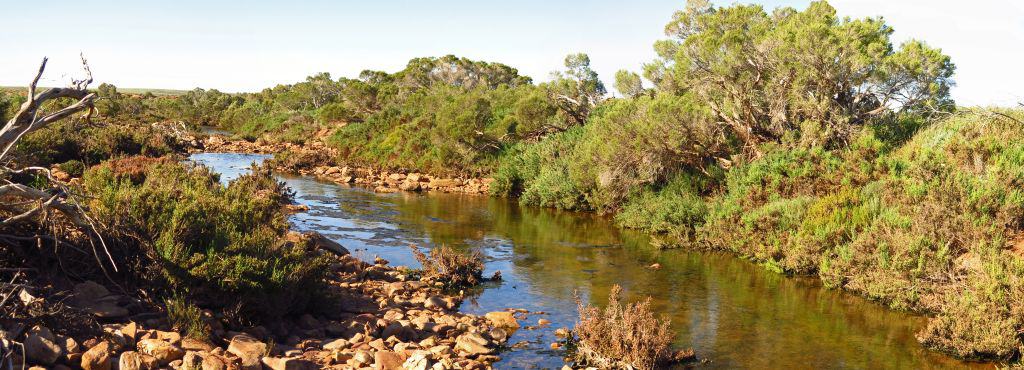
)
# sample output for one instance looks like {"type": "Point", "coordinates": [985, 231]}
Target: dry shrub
{"type": "Point", "coordinates": [454, 269]}
{"type": "Point", "coordinates": [623, 336]}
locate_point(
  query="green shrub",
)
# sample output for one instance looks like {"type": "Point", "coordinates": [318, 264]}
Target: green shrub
{"type": "Point", "coordinates": [218, 246]}
{"type": "Point", "coordinates": [677, 208]}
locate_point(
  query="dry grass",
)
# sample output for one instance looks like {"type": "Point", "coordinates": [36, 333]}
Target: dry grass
{"type": "Point", "coordinates": [623, 336]}
{"type": "Point", "coordinates": [454, 269]}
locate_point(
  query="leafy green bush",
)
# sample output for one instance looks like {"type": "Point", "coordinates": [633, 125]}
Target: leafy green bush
{"type": "Point", "coordinates": [677, 208]}
{"type": "Point", "coordinates": [217, 246]}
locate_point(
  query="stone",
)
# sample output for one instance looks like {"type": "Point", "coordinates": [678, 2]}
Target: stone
{"type": "Point", "coordinates": [502, 319]}
{"type": "Point", "coordinates": [307, 321]}
{"type": "Point", "coordinates": [190, 344]}
{"type": "Point", "coordinates": [562, 333]}
{"type": "Point", "coordinates": [90, 291]}
{"type": "Point", "coordinates": [408, 185]}
{"type": "Point", "coordinates": [97, 357]}
{"type": "Point", "coordinates": [213, 363]}
{"type": "Point", "coordinates": [249, 350]}
{"type": "Point", "coordinates": [163, 351]}
{"type": "Point", "coordinates": [387, 360]}
{"type": "Point", "coordinates": [322, 242]}
{"type": "Point", "coordinates": [69, 345]}
{"type": "Point", "coordinates": [336, 344]}
{"type": "Point", "coordinates": [543, 322]}
{"type": "Point", "coordinates": [498, 334]}
{"type": "Point", "coordinates": [435, 302]}
{"type": "Point", "coordinates": [362, 358]}
{"type": "Point", "coordinates": [131, 360]}
{"type": "Point", "coordinates": [192, 361]}
{"type": "Point", "coordinates": [418, 361]}
{"type": "Point", "coordinates": [130, 330]}
{"type": "Point", "coordinates": [288, 363]}
{"type": "Point", "coordinates": [41, 348]}
{"type": "Point", "coordinates": [473, 344]}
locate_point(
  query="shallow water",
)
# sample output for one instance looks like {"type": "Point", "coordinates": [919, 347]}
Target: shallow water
{"type": "Point", "coordinates": [733, 313]}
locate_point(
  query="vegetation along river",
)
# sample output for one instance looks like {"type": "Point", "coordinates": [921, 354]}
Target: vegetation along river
{"type": "Point", "coordinates": [733, 313]}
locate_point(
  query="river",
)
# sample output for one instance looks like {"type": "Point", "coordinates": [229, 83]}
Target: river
{"type": "Point", "coordinates": [733, 313]}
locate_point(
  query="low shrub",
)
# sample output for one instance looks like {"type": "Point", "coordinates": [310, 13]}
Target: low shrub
{"type": "Point", "coordinates": [455, 270]}
{"type": "Point", "coordinates": [623, 336]}
{"type": "Point", "coordinates": [213, 245]}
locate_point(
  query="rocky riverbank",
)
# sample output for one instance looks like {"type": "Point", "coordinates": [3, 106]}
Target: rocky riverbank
{"type": "Point", "coordinates": [387, 319]}
{"type": "Point", "coordinates": [316, 160]}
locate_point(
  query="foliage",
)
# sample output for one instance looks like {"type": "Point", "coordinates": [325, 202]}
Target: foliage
{"type": "Point", "coordinates": [455, 270]}
{"type": "Point", "coordinates": [767, 75]}
{"type": "Point", "coordinates": [217, 245]}
{"type": "Point", "coordinates": [622, 336]}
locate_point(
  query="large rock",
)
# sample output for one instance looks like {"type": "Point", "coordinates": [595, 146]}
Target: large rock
{"type": "Point", "coordinates": [97, 357]}
{"type": "Point", "coordinates": [249, 350]}
{"type": "Point", "coordinates": [163, 351]}
{"type": "Point", "coordinates": [213, 363]}
{"type": "Point", "coordinates": [288, 363]}
{"type": "Point", "coordinates": [41, 348]}
{"type": "Point", "coordinates": [192, 361]}
{"type": "Point", "coordinates": [322, 242]}
{"type": "Point", "coordinates": [131, 360]}
{"type": "Point", "coordinates": [473, 344]}
{"type": "Point", "coordinates": [502, 319]}
{"type": "Point", "coordinates": [418, 361]}
{"type": "Point", "coordinates": [387, 360]}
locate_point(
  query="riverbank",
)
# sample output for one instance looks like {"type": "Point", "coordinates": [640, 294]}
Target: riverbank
{"type": "Point", "coordinates": [387, 319]}
{"type": "Point", "coordinates": [317, 159]}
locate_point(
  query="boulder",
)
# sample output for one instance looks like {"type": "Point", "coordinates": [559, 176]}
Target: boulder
{"type": "Point", "coordinates": [336, 344]}
{"type": "Point", "coordinates": [387, 360]}
{"type": "Point", "coordinates": [502, 319]}
{"type": "Point", "coordinates": [435, 302]}
{"type": "Point", "coordinates": [131, 360]}
{"type": "Point", "coordinates": [97, 357]}
{"type": "Point", "coordinates": [42, 349]}
{"type": "Point", "coordinates": [418, 361]}
{"type": "Point", "coordinates": [213, 363]}
{"type": "Point", "coordinates": [192, 361]}
{"type": "Point", "coordinates": [163, 351]}
{"type": "Point", "coordinates": [249, 350]}
{"type": "Point", "coordinates": [322, 242]}
{"type": "Point", "coordinates": [473, 344]}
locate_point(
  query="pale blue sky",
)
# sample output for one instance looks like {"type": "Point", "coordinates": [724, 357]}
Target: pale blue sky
{"type": "Point", "coordinates": [255, 44]}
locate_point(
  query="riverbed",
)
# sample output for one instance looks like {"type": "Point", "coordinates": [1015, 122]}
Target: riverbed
{"type": "Point", "coordinates": [734, 314]}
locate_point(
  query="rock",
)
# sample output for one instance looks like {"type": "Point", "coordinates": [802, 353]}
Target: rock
{"type": "Point", "coordinates": [213, 363]}
{"type": "Point", "coordinates": [163, 351]}
{"type": "Point", "coordinates": [387, 360]}
{"type": "Point", "coordinates": [192, 361]}
{"type": "Point", "coordinates": [543, 322]}
{"type": "Point", "coordinates": [502, 319]}
{"type": "Point", "coordinates": [189, 344]}
{"type": "Point", "coordinates": [655, 266]}
{"type": "Point", "coordinates": [106, 310]}
{"type": "Point", "coordinates": [408, 185]}
{"type": "Point", "coordinates": [90, 291]}
{"type": "Point", "coordinates": [249, 350]}
{"type": "Point", "coordinates": [473, 344]}
{"type": "Point", "coordinates": [336, 344]}
{"type": "Point", "coordinates": [307, 321]}
{"type": "Point", "coordinates": [131, 360]}
{"type": "Point", "coordinates": [418, 361]}
{"type": "Point", "coordinates": [288, 363]}
{"type": "Point", "coordinates": [435, 302]}
{"type": "Point", "coordinates": [498, 334]}
{"type": "Point", "coordinates": [562, 333]}
{"type": "Point", "coordinates": [97, 357]}
{"type": "Point", "coordinates": [69, 345]}
{"type": "Point", "coordinates": [556, 345]}
{"type": "Point", "coordinates": [41, 348]}
{"type": "Point", "coordinates": [384, 189]}
{"type": "Point", "coordinates": [322, 242]}
{"type": "Point", "coordinates": [362, 358]}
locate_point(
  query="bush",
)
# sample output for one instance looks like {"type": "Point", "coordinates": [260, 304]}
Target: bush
{"type": "Point", "coordinates": [214, 245]}
{"type": "Point", "coordinates": [455, 270]}
{"type": "Point", "coordinates": [622, 336]}
{"type": "Point", "coordinates": [676, 209]}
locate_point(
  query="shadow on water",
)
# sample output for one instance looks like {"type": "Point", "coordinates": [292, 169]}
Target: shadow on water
{"type": "Point", "coordinates": [733, 313]}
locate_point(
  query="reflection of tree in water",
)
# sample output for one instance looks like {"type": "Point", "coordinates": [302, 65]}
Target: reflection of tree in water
{"type": "Point", "coordinates": [731, 310]}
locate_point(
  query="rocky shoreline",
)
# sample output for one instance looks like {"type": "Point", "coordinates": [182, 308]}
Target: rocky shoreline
{"type": "Point", "coordinates": [315, 155]}
{"type": "Point", "coordinates": [387, 320]}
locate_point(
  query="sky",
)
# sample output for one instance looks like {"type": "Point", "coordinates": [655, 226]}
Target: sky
{"type": "Point", "coordinates": [250, 45]}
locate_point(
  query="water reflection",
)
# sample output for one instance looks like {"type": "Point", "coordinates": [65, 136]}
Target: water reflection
{"type": "Point", "coordinates": [733, 313]}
